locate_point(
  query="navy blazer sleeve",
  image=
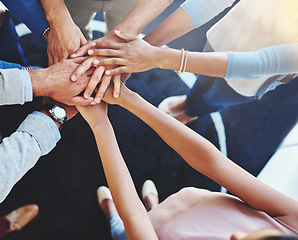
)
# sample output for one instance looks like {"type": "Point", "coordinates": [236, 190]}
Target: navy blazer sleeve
{"type": "Point", "coordinates": [30, 13]}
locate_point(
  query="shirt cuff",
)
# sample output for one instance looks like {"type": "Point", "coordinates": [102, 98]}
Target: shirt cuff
{"type": "Point", "coordinates": [28, 92]}
{"type": "Point", "coordinates": [51, 123]}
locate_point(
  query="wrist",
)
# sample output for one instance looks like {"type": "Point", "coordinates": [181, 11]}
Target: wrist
{"type": "Point", "coordinates": [45, 112]}
{"type": "Point", "coordinates": [128, 97]}
{"type": "Point", "coordinates": [99, 125]}
{"type": "Point", "coordinates": [168, 58]}
{"type": "Point", "coordinates": [38, 82]}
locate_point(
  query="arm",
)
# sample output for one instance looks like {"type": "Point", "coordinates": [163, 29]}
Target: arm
{"type": "Point", "coordinates": [35, 137]}
{"type": "Point", "coordinates": [206, 158]}
{"type": "Point", "coordinates": [64, 37]}
{"type": "Point", "coordinates": [138, 56]}
{"type": "Point", "coordinates": [130, 208]}
{"type": "Point", "coordinates": [191, 14]}
{"type": "Point", "coordinates": [18, 86]}
{"type": "Point", "coordinates": [30, 13]}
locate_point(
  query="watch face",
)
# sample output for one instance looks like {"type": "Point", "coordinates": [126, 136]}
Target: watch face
{"type": "Point", "coordinates": [59, 112]}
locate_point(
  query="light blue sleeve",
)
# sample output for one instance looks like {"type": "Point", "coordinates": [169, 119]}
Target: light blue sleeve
{"type": "Point", "coordinates": [28, 93]}
{"type": "Point", "coordinates": [50, 123]}
{"type": "Point", "coordinates": [202, 11]}
{"type": "Point", "coordinates": [275, 60]}
{"type": "Point", "coordinates": [21, 151]}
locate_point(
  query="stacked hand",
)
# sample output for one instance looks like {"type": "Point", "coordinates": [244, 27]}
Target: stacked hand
{"type": "Point", "coordinates": [100, 75]}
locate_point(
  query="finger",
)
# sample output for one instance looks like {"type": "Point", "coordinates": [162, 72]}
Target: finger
{"type": "Point", "coordinates": [111, 61]}
{"type": "Point", "coordinates": [125, 36]}
{"type": "Point", "coordinates": [79, 60]}
{"type": "Point", "coordinates": [105, 82]}
{"type": "Point", "coordinates": [105, 52]}
{"type": "Point", "coordinates": [118, 70]}
{"type": "Point", "coordinates": [81, 101]}
{"type": "Point", "coordinates": [85, 65]}
{"type": "Point", "coordinates": [116, 80]}
{"type": "Point", "coordinates": [95, 79]}
{"type": "Point", "coordinates": [83, 50]}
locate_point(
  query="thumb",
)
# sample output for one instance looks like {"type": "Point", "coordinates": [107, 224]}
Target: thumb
{"type": "Point", "coordinates": [125, 36]}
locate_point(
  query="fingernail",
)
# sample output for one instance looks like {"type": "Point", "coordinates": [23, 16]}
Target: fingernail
{"type": "Point", "coordinates": [90, 52]}
{"type": "Point", "coordinates": [97, 99]}
{"type": "Point", "coordinates": [117, 31]}
{"type": "Point", "coordinates": [74, 54]}
{"type": "Point", "coordinates": [73, 77]}
{"type": "Point", "coordinates": [93, 44]}
{"type": "Point", "coordinates": [86, 95]}
{"type": "Point", "coordinates": [96, 61]}
{"type": "Point", "coordinates": [116, 95]}
{"type": "Point", "coordinates": [93, 103]}
{"type": "Point", "coordinates": [108, 72]}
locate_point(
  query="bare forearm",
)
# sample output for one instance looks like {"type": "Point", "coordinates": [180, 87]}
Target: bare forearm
{"type": "Point", "coordinates": [205, 158]}
{"type": "Point", "coordinates": [187, 143]}
{"type": "Point", "coordinates": [211, 64]}
{"type": "Point", "coordinates": [141, 15]}
{"type": "Point", "coordinates": [126, 199]}
{"type": "Point", "coordinates": [176, 25]}
{"type": "Point", "coordinates": [55, 10]}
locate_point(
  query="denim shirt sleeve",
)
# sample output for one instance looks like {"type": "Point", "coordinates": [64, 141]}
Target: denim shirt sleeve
{"type": "Point", "coordinates": [30, 13]}
{"type": "Point", "coordinates": [6, 65]}
{"type": "Point", "coordinates": [202, 11]}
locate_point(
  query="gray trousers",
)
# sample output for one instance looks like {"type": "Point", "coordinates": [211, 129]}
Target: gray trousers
{"type": "Point", "coordinates": [83, 12]}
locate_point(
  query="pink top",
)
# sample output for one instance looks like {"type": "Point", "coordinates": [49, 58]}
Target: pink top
{"type": "Point", "coordinates": [218, 217]}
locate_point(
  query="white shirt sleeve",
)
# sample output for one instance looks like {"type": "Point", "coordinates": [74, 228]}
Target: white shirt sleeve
{"type": "Point", "coordinates": [202, 11]}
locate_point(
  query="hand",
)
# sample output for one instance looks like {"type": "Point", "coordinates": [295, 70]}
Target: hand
{"type": "Point", "coordinates": [63, 40]}
{"type": "Point", "coordinates": [94, 114]}
{"type": "Point", "coordinates": [134, 56]}
{"type": "Point", "coordinates": [98, 76]}
{"type": "Point", "coordinates": [55, 82]}
{"type": "Point", "coordinates": [111, 37]}
{"type": "Point", "coordinates": [124, 95]}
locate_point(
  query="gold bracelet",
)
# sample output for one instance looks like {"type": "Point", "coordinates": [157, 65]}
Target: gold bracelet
{"type": "Point", "coordinates": [182, 61]}
{"type": "Point", "coordinates": [185, 62]}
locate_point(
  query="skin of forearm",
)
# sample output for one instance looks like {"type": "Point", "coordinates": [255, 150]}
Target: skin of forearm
{"type": "Point", "coordinates": [211, 64]}
{"type": "Point", "coordinates": [55, 11]}
{"type": "Point", "coordinates": [126, 199]}
{"type": "Point", "coordinates": [205, 158]}
{"type": "Point", "coordinates": [39, 82]}
{"type": "Point", "coordinates": [174, 26]}
{"type": "Point", "coordinates": [188, 144]}
{"type": "Point", "coordinates": [141, 15]}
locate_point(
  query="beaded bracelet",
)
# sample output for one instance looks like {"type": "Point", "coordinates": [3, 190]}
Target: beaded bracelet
{"type": "Point", "coordinates": [185, 62]}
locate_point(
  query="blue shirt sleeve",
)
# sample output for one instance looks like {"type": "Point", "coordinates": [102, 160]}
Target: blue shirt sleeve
{"type": "Point", "coordinates": [51, 123]}
{"type": "Point", "coordinates": [275, 60]}
{"type": "Point", "coordinates": [202, 11]}
{"type": "Point", "coordinates": [30, 13]}
{"type": "Point", "coordinates": [5, 65]}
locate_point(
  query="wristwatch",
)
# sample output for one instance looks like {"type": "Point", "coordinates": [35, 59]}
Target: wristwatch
{"type": "Point", "coordinates": [56, 112]}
